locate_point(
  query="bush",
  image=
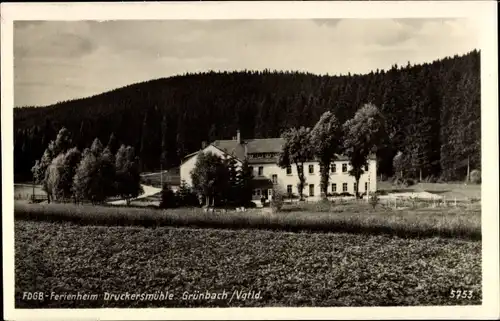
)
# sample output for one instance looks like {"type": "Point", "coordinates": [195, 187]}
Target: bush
{"type": "Point", "coordinates": [406, 182]}
{"type": "Point", "coordinates": [188, 199]}
{"type": "Point", "coordinates": [168, 199]}
{"type": "Point", "coordinates": [277, 199]}
{"type": "Point", "coordinates": [431, 179]}
{"type": "Point", "coordinates": [346, 194]}
{"type": "Point", "coordinates": [475, 176]}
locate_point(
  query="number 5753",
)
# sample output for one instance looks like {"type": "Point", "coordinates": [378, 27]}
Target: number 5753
{"type": "Point", "coordinates": [461, 294]}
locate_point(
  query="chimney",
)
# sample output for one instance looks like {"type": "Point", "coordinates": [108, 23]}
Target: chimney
{"type": "Point", "coordinates": [203, 144]}
{"type": "Point", "coordinates": [238, 136]}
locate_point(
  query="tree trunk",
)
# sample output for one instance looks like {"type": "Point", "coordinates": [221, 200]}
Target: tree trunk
{"type": "Point", "coordinates": [357, 187]}
{"type": "Point", "coordinates": [325, 176]}
{"type": "Point", "coordinates": [301, 180]}
{"type": "Point", "coordinates": [420, 171]}
{"type": "Point", "coordinates": [468, 169]}
{"type": "Point", "coordinates": [207, 201]}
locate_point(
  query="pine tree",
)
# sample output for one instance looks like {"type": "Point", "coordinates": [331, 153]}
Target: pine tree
{"type": "Point", "coordinates": [127, 173]}
{"type": "Point", "coordinates": [113, 144]}
{"type": "Point", "coordinates": [244, 178]}
{"type": "Point", "coordinates": [164, 142]}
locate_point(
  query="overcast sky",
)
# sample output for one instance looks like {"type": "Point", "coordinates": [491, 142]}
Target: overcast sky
{"type": "Point", "coordinates": [56, 61]}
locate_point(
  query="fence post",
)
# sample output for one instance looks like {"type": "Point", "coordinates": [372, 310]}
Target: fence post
{"type": "Point", "coordinates": [455, 201]}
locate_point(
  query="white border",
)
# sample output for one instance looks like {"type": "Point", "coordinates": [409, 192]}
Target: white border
{"type": "Point", "coordinates": [484, 11]}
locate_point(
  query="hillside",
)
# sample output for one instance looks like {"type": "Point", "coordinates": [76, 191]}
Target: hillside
{"type": "Point", "coordinates": [433, 113]}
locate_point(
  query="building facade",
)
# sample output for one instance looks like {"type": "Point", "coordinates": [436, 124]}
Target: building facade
{"type": "Point", "coordinates": [262, 155]}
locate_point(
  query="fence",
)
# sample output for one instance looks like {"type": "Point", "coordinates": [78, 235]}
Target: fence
{"type": "Point", "coordinates": [38, 198]}
{"type": "Point", "coordinates": [431, 203]}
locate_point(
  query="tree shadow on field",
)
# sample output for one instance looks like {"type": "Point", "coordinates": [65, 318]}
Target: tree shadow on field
{"type": "Point", "coordinates": [438, 192]}
{"type": "Point", "coordinates": [395, 190]}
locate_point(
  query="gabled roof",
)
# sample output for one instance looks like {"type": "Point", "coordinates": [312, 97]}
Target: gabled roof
{"type": "Point", "coordinates": [254, 146]}
{"type": "Point", "coordinates": [231, 147]}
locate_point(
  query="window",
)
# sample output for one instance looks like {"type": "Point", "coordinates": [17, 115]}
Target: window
{"type": "Point", "coordinates": [256, 192]}
{"type": "Point", "coordinates": [344, 187]}
{"type": "Point", "coordinates": [344, 168]}
{"type": "Point", "coordinates": [311, 169]}
{"type": "Point", "coordinates": [334, 188]}
{"type": "Point", "coordinates": [251, 169]}
{"type": "Point", "coordinates": [300, 169]}
{"type": "Point", "coordinates": [354, 188]}
{"type": "Point", "coordinates": [366, 186]}
{"type": "Point", "coordinates": [289, 189]}
{"type": "Point", "coordinates": [275, 179]}
{"type": "Point", "coordinates": [366, 168]}
{"type": "Point", "coordinates": [289, 170]}
{"type": "Point", "coordinates": [261, 170]}
{"type": "Point", "coordinates": [311, 189]}
{"type": "Point", "coordinates": [334, 168]}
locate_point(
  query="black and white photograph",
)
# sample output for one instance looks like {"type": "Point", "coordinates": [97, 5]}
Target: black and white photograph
{"type": "Point", "coordinates": [338, 158]}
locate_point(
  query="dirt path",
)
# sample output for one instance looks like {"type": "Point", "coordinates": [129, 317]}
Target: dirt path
{"type": "Point", "coordinates": [148, 191]}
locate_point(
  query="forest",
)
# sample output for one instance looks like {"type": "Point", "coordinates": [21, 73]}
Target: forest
{"type": "Point", "coordinates": [432, 113]}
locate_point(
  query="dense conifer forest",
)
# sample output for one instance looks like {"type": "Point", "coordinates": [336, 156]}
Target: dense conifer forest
{"type": "Point", "coordinates": [432, 112]}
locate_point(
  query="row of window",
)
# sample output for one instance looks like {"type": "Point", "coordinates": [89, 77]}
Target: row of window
{"type": "Point", "coordinates": [289, 188]}
{"type": "Point", "coordinates": [260, 169]}
{"type": "Point", "coordinates": [262, 155]}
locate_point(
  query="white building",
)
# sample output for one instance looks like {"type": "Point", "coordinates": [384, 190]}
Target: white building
{"type": "Point", "coordinates": [262, 155]}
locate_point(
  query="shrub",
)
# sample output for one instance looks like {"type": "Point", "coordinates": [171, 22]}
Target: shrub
{"type": "Point", "coordinates": [345, 194]}
{"type": "Point", "coordinates": [430, 179]}
{"type": "Point", "coordinates": [405, 182]}
{"type": "Point", "coordinates": [168, 199]}
{"type": "Point", "coordinates": [277, 199]}
{"type": "Point", "coordinates": [475, 176]}
{"type": "Point", "coordinates": [374, 200]}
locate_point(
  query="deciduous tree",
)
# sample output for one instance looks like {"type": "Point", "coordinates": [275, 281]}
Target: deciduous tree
{"type": "Point", "coordinates": [127, 173]}
{"type": "Point", "coordinates": [208, 176]}
{"type": "Point", "coordinates": [326, 143]}
{"type": "Point", "coordinates": [362, 135]}
{"type": "Point", "coordinates": [296, 150]}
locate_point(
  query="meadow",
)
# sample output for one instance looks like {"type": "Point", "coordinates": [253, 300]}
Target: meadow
{"type": "Point", "coordinates": [24, 191]}
{"type": "Point", "coordinates": [449, 190]}
{"type": "Point", "coordinates": [349, 217]}
{"type": "Point", "coordinates": [289, 269]}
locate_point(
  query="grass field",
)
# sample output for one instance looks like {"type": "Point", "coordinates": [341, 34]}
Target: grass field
{"type": "Point", "coordinates": [352, 217]}
{"type": "Point", "coordinates": [289, 269]}
{"type": "Point", "coordinates": [459, 191]}
{"type": "Point", "coordinates": [24, 191]}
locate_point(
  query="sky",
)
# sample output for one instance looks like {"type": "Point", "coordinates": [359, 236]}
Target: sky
{"type": "Point", "coordinates": [63, 60]}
